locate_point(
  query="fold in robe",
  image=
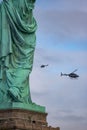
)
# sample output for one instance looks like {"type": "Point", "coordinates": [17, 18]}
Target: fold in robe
{"type": "Point", "coordinates": [17, 45]}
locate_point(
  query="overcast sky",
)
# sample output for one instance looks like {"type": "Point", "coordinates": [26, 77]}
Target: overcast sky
{"type": "Point", "coordinates": [61, 43]}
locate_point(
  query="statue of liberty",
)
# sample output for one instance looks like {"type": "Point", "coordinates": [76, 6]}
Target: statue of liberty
{"type": "Point", "coordinates": [17, 45]}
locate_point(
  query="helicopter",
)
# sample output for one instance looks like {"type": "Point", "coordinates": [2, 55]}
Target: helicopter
{"type": "Point", "coordinates": [42, 66]}
{"type": "Point", "coordinates": [71, 75]}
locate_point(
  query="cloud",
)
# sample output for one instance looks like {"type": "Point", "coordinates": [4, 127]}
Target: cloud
{"type": "Point", "coordinates": [48, 80]}
{"type": "Point", "coordinates": [62, 5]}
{"type": "Point", "coordinates": [64, 98]}
{"type": "Point", "coordinates": [61, 57]}
{"type": "Point", "coordinates": [63, 25]}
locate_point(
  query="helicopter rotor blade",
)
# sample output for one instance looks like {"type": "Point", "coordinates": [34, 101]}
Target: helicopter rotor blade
{"type": "Point", "coordinates": [75, 70]}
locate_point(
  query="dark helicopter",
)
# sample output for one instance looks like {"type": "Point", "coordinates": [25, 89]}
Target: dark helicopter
{"type": "Point", "coordinates": [71, 75]}
{"type": "Point", "coordinates": [42, 66]}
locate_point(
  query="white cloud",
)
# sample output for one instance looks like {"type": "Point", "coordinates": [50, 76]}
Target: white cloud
{"type": "Point", "coordinates": [63, 25]}
{"type": "Point", "coordinates": [63, 97]}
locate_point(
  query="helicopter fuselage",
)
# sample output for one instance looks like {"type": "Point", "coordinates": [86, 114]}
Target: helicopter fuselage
{"type": "Point", "coordinates": [71, 75]}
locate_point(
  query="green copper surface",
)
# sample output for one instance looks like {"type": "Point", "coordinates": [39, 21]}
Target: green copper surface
{"type": "Point", "coordinates": [17, 45]}
{"type": "Point", "coordinates": [25, 106]}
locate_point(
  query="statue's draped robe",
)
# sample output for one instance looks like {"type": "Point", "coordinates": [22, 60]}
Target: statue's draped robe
{"type": "Point", "coordinates": [17, 45]}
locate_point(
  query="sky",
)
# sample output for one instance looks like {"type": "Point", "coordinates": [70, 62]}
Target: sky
{"type": "Point", "coordinates": [62, 44]}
